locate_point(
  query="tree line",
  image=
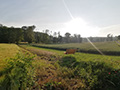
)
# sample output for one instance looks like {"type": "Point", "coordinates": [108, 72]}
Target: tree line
{"type": "Point", "coordinates": [16, 35]}
{"type": "Point", "coordinates": [27, 34]}
{"type": "Point", "coordinates": [102, 39]}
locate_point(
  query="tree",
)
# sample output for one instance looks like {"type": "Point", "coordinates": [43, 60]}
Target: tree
{"type": "Point", "coordinates": [37, 37]}
{"type": "Point", "coordinates": [109, 37]}
{"type": "Point", "coordinates": [67, 37]}
{"type": "Point", "coordinates": [10, 34]}
{"type": "Point", "coordinates": [4, 34]}
{"type": "Point", "coordinates": [75, 40]}
{"type": "Point", "coordinates": [47, 31]}
{"type": "Point", "coordinates": [28, 33]}
{"type": "Point", "coordinates": [60, 38]}
{"type": "Point", "coordinates": [55, 40]}
{"type": "Point", "coordinates": [79, 38]}
{"type": "Point", "coordinates": [1, 25]}
{"type": "Point", "coordinates": [19, 35]}
{"type": "Point", "coordinates": [55, 34]}
{"type": "Point", "coordinates": [118, 37]}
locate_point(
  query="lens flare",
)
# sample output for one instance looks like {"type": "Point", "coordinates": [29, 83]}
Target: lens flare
{"type": "Point", "coordinates": [84, 24]}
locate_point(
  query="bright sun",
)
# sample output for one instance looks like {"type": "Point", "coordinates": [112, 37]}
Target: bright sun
{"type": "Point", "coordinates": [79, 26]}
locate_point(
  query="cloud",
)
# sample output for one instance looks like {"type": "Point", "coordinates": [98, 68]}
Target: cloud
{"type": "Point", "coordinates": [113, 29]}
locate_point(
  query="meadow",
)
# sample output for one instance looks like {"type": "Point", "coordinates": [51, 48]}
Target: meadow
{"type": "Point", "coordinates": [75, 71]}
{"type": "Point", "coordinates": [108, 48]}
{"type": "Point", "coordinates": [47, 68]}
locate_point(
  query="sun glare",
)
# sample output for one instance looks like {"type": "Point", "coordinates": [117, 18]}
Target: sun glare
{"type": "Point", "coordinates": [79, 26]}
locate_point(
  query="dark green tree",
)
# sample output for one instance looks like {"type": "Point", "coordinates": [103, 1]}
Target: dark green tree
{"type": "Point", "coordinates": [118, 37]}
{"type": "Point", "coordinates": [28, 33]}
{"type": "Point", "coordinates": [19, 35]}
{"type": "Point", "coordinates": [67, 37]}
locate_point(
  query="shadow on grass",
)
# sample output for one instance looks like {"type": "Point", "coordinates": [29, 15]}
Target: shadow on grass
{"type": "Point", "coordinates": [97, 75]}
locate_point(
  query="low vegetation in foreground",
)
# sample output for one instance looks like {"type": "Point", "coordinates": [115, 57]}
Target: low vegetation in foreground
{"type": "Point", "coordinates": [40, 68]}
{"type": "Point", "coordinates": [7, 51]}
{"type": "Point", "coordinates": [16, 70]}
{"type": "Point", "coordinates": [55, 70]}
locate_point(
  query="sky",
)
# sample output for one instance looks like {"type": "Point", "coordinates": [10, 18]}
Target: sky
{"type": "Point", "coordinates": [84, 17]}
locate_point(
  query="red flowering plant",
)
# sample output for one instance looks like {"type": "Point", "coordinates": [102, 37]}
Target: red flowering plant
{"type": "Point", "coordinates": [113, 78]}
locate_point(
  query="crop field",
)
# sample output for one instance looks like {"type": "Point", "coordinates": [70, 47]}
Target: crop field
{"type": "Point", "coordinates": [108, 48]}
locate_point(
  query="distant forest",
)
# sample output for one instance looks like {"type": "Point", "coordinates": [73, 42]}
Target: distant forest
{"type": "Point", "coordinates": [27, 34]}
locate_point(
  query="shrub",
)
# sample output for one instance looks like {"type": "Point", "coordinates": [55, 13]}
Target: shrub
{"type": "Point", "coordinates": [97, 75]}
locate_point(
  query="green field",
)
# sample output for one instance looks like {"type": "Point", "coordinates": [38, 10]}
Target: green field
{"type": "Point", "coordinates": [93, 70]}
{"type": "Point", "coordinates": [14, 63]}
{"type": "Point", "coordinates": [52, 69]}
{"type": "Point", "coordinates": [108, 48]}
{"type": "Point", "coordinates": [7, 51]}
{"type": "Point", "coordinates": [113, 60]}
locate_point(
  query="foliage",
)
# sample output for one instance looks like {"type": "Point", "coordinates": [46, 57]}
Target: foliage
{"type": "Point", "coordinates": [97, 75]}
{"type": "Point", "coordinates": [78, 71]}
{"type": "Point", "coordinates": [7, 51]}
{"type": "Point", "coordinates": [41, 37]}
{"type": "Point", "coordinates": [18, 73]}
{"type": "Point", "coordinates": [118, 37]}
{"type": "Point", "coordinates": [16, 35]}
{"type": "Point", "coordinates": [28, 33]}
{"type": "Point", "coordinates": [113, 78]}
{"type": "Point", "coordinates": [10, 35]}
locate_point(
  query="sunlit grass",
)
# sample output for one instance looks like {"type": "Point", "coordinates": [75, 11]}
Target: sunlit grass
{"type": "Point", "coordinates": [114, 61]}
{"type": "Point", "coordinates": [67, 68]}
{"type": "Point", "coordinates": [7, 51]}
{"type": "Point", "coordinates": [103, 46]}
{"type": "Point", "coordinates": [55, 66]}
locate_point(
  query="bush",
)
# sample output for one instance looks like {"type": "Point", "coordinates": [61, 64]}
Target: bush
{"type": "Point", "coordinates": [97, 75]}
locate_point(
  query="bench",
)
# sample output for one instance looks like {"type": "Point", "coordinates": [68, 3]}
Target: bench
{"type": "Point", "coordinates": [70, 51]}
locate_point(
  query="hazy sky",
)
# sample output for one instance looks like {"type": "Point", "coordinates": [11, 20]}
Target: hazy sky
{"type": "Point", "coordinates": [91, 17]}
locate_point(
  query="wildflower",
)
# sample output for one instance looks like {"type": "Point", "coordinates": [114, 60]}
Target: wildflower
{"type": "Point", "coordinates": [109, 73]}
